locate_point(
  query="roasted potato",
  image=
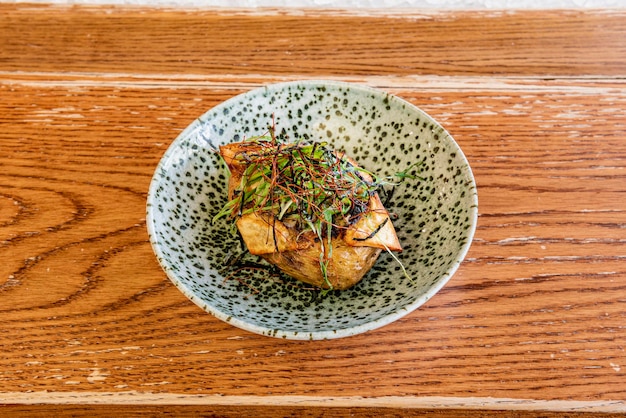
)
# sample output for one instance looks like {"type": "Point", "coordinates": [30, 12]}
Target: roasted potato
{"type": "Point", "coordinates": [311, 255]}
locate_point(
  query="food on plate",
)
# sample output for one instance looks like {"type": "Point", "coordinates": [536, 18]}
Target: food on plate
{"type": "Point", "coordinates": [308, 209]}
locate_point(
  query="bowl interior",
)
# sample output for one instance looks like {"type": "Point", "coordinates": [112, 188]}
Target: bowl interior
{"type": "Point", "coordinates": [435, 224]}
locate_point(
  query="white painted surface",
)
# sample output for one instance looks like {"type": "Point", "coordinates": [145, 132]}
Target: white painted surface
{"type": "Point", "coordinates": [356, 4]}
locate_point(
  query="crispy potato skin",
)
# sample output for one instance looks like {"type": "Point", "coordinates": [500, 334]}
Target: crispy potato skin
{"type": "Point", "coordinates": [358, 235]}
{"type": "Point", "coordinates": [263, 234]}
{"type": "Point", "coordinates": [297, 254]}
{"type": "Point", "coordinates": [346, 268]}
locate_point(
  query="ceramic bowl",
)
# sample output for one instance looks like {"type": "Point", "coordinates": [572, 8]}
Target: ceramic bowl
{"type": "Point", "coordinates": [436, 214]}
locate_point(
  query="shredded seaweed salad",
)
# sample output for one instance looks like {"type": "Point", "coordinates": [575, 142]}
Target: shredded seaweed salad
{"type": "Point", "coordinates": [307, 185]}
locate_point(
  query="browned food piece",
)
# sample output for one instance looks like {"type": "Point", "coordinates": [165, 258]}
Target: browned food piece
{"type": "Point", "coordinates": [298, 253]}
{"type": "Point", "coordinates": [346, 268]}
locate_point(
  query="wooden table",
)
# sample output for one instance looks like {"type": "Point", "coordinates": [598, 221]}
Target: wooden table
{"type": "Point", "coordinates": [534, 321]}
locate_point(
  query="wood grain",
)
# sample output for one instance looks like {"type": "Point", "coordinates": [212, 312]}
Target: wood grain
{"type": "Point", "coordinates": [201, 42]}
{"type": "Point", "coordinates": [90, 98]}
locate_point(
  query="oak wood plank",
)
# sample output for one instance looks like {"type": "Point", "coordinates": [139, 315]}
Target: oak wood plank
{"type": "Point", "coordinates": [114, 39]}
{"type": "Point", "coordinates": [535, 312]}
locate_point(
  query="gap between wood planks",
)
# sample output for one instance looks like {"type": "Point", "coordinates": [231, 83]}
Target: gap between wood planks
{"type": "Point", "coordinates": [530, 84]}
{"type": "Point", "coordinates": [431, 402]}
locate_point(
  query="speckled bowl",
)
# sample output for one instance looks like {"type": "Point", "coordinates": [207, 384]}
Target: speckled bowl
{"type": "Point", "coordinates": [385, 134]}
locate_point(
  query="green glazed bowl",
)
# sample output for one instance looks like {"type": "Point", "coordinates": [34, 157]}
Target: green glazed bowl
{"type": "Point", "coordinates": [436, 214]}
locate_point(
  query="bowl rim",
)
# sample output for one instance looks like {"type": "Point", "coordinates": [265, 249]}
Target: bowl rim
{"type": "Point", "coordinates": [309, 335]}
